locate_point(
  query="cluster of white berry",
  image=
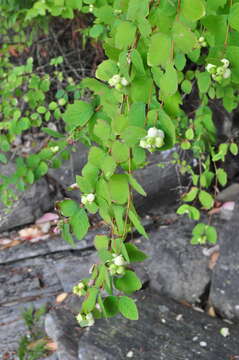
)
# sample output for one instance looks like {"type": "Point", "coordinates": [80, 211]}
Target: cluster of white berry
{"type": "Point", "coordinates": [91, 8]}
{"type": "Point", "coordinates": [87, 199]}
{"type": "Point", "coordinates": [117, 81]}
{"type": "Point", "coordinates": [116, 266]}
{"type": "Point", "coordinates": [219, 72]}
{"type": "Point", "coordinates": [79, 289]}
{"type": "Point", "coordinates": [153, 140]}
{"type": "Point", "coordinates": [201, 42]}
{"type": "Point", "coordinates": [85, 319]}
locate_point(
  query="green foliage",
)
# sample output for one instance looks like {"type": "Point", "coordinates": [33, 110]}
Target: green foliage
{"type": "Point", "coordinates": [33, 345]}
{"type": "Point", "coordinates": [159, 54]}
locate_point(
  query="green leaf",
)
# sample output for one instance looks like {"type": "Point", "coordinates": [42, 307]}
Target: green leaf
{"type": "Point", "coordinates": [104, 255]}
{"type": "Point", "coordinates": [120, 152]}
{"type": "Point", "coordinates": [192, 212]}
{"type": "Point", "coordinates": [84, 184]}
{"type": "Point", "coordinates": [136, 114]}
{"type": "Point", "coordinates": [215, 4]}
{"type": "Point", "coordinates": [102, 130]}
{"type": "Point", "coordinates": [67, 207]}
{"type": "Point", "coordinates": [234, 149]}
{"type": "Point", "coordinates": [96, 30]}
{"type": "Point", "coordinates": [52, 133]}
{"type": "Point", "coordinates": [180, 61]}
{"type": "Point", "coordinates": [89, 303]}
{"type": "Point", "coordinates": [191, 195]}
{"type": "Point", "coordinates": [211, 234]}
{"type": "Point", "coordinates": [128, 308]}
{"type": "Point", "coordinates": [128, 283]}
{"type": "Point", "coordinates": [156, 56]}
{"type": "Point", "coordinates": [119, 188]}
{"type": "Point", "coordinates": [137, 9]}
{"type": "Point", "coordinates": [75, 4]}
{"type": "Point", "coordinates": [65, 229]}
{"type": "Point", "coordinates": [141, 89]}
{"type": "Point", "coordinates": [183, 37]}
{"type": "Point", "coordinates": [30, 177]}
{"type": "Point", "coordinates": [136, 222]}
{"type": "Point", "coordinates": [111, 306]}
{"type": "Point", "coordinates": [192, 12]}
{"type": "Point", "coordinates": [106, 70]}
{"type": "Point", "coordinates": [221, 176]}
{"type": "Point", "coordinates": [206, 199]}
{"type": "Point", "coordinates": [133, 134]}
{"type": "Point", "coordinates": [189, 134]}
{"type": "Point", "coordinates": [234, 16]}
{"type": "Point", "coordinates": [108, 166]}
{"type": "Point", "coordinates": [186, 86]}
{"type": "Point", "coordinates": [125, 34]}
{"type": "Point", "coordinates": [119, 213]}
{"type": "Point", "coordinates": [145, 28]}
{"type": "Point", "coordinates": [204, 81]}
{"type": "Point", "coordinates": [101, 242]}
{"type": "Point", "coordinates": [137, 62]}
{"type": "Point", "coordinates": [80, 224]}
{"type": "Point", "coordinates": [103, 277]}
{"type": "Point", "coordinates": [135, 255]}
{"type": "Point", "coordinates": [96, 156]}
{"type": "Point", "coordinates": [3, 159]}
{"type": "Point", "coordinates": [42, 169]}
{"type": "Point", "coordinates": [116, 244]}
{"type": "Point", "coordinates": [199, 229]}
{"type": "Point", "coordinates": [77, 114]}
{"type": "Point", "coordinates": [134, 183]}
{"type": "Point", "coordinates": [168, 82]}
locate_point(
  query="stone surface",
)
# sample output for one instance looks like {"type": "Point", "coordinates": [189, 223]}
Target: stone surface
{"type": "Point", "coordinates": [31, 204]}
{"type": "Point", "coordinates": [62, 327]}
{"type": "Point", "coordinates": [72, 268]}
{"type": "Point", "coordinates": [165, 330]}
{"type": "Point", "coordinates": [36, 200]}
{"type": "Point", "coordinates": [175, 267]}
{"type": "Point", "coordinates": [224, 291]}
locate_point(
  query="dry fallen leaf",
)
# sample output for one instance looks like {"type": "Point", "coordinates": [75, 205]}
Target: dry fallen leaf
{"type": "Point", "coordinates": [5, 241]}
{"type": "Point", "coordinates": [213, 260]}
{"type": "Point", "coordinates": [14, 242]}
{"type": "Point", "coordinates": [211, 311]}
{"type": "Point", "coordinates": [29, 233]}
{"type": "Point", "coordinates": [60, 298]}
{"type": "Point", "coordinates": [51, 346]}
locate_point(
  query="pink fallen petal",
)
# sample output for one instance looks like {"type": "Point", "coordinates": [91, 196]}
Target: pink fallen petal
{"type": "Point", "coordinates": [229, 205]}
{"type": "Point", "coordinates": [56, 230]}
{"type": "Point", "coordinates": [47, 217]}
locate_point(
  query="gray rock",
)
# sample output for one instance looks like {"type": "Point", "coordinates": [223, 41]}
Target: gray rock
{"type": "Point", "coordinates": [27, 280]}
{"type": "Point", "coordinates": [72, 268]}
{"type": "Point", "coordinates": [175, 267]}
{"type": "Point", "coordinates": [157, 335]}
{"type": "Point", "coordinates": [230, 193]}
{"type": "Point", "coordinates": [31, 204]}
{"type": "Point", "coordinates": [62, 327]}
{"type": "Point", "coordinates": [224, 293]}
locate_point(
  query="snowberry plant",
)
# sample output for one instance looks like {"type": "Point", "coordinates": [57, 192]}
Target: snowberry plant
{"type": "Point", "coordinates": [159, 56]}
